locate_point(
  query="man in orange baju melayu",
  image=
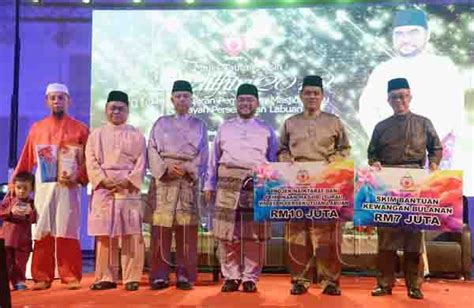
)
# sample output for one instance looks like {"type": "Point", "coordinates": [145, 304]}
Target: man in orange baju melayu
{"type": "Point", "coordinates": [57, 200]}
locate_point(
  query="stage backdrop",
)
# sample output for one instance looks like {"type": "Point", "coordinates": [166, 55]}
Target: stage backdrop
{"type": "Point", "coordinates": [143, 52]}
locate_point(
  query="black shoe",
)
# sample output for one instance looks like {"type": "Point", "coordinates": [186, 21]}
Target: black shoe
{"type": "Point", "coordinates": [103, 285]}
{"type": "Point", "coordinates": [132, 286]}
{"type": "Point", "coordinates": [159, 284]}
{"type": "Point", "coordinates": [332, 290]}
{"type": "Point", "coordinates": [415, 293]}
{"type": "Point", "coordinates": [381, 291]}
{"type": "Point", "coordinates": [184, 285]}
{"type": "Point", "coordinates": [231, 285]}
{"type": "Point", "coordinates": [298, 289]}
{"type": "Point", "coordinates": [249, 286]}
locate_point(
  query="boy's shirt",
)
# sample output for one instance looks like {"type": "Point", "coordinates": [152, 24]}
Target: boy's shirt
{"type": "Point", "coordinates": [16, 230]}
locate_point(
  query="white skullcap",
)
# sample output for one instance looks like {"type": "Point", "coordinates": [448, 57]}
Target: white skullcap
{"type": "Point", "coordinates": [56, 87]}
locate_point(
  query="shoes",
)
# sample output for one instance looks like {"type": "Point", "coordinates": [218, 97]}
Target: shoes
{"type": "Point", "coordinates": [103, 285]}
{"type": "Point", "coordinates": [381, 291]}
{"type": "Point", "coordinates": [73, 285]}
{"type": "Point", "coordinates": [231, 285]}
{"type": "Point", "coordinates": [249, 286]}
{"type": "Point", "coordinates": [332, 290]}
{"type": "Point", "coordinates": [159, 284]}
{"type": "Point", "coordinates": [415, 293]}
{"type": "Point", "coordinates": [184, 285]}
{"type": "Point", "coordinates": [20, 287]}
{"type": "Point", "coordinates": [298, 289]}
{"type": "Point", "coordinates": [41, 285]}
{"type": "Point", "coordinates": [132, 286]}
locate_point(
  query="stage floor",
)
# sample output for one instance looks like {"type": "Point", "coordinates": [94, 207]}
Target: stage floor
{"type": "Point", "coordinates": [273, 291]}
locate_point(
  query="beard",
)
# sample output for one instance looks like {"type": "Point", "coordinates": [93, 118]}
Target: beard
{"type": "Point", "coordinates": [58, 113]}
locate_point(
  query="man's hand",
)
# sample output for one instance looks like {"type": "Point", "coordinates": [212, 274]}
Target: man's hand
{"type": "Point", "coordinates": [286, 158]}
{"type": "Point", "coordinates": [174, 172]}
{"type": "Point", "coordinates": [109, 184]}
{"type": "Point", "coordinates": [126, 184]}
{"type": "Point", "coordinates": [376, 165]}
{"type": "Point", "coordinates": [123, 184]}
{"type": "Point", "coordinates": [177, 170]}
{"type": "Point", "coordinates": [66, 180]}
{"type": "Point", "coordinates": [335, 158]}
{"type": "Point", "coordinates": [433, 166]}
{"type": "Point", "coordinates": [330, 159]}
{"type": "Point", "coordinates": [209, 197]}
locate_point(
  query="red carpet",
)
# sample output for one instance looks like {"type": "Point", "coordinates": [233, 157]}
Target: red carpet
{"type": "Point", "coordinates": [273, 292]}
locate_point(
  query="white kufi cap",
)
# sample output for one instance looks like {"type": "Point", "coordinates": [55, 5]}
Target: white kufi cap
{"type": "Point", "coordinates": [56, 87]}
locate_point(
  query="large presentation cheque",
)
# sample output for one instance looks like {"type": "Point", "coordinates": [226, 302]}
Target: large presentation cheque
{"type": "Point", "coordinates": [409, 198]}
{"type": "Point", "coordinates": [313, 191]}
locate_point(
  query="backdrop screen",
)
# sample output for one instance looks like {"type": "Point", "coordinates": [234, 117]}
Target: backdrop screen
{"type": "Point", "coordinates": [352, 47]}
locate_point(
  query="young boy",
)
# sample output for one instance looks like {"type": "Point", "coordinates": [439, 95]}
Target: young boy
{"type": "Point", "coordinates": [18, 213]}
